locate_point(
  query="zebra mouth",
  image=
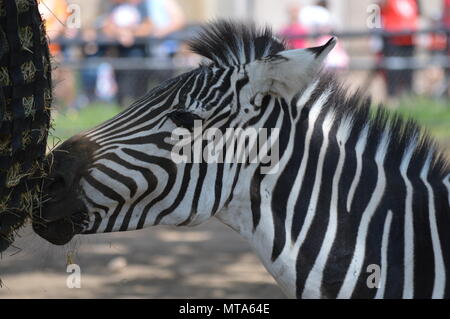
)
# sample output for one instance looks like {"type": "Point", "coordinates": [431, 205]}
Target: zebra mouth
{"type": "Point", "coordinates": [63, 213]}
{"type": "Point", "coordinates": [60, 231]}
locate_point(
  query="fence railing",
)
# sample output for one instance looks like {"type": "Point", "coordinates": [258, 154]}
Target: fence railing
{"type": "Point", "coordinates": [366, 61]}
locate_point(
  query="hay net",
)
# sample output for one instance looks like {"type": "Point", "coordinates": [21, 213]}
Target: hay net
{"type": "Point", "coordinates": [25, 101]}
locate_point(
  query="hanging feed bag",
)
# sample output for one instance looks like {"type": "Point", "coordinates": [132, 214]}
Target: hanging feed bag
{"type": "Point", "coordinates": [25, 101]}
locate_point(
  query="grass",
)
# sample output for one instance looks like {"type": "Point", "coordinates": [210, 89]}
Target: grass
{"type": "Point", "coordinates": [433, 115]}
{"type": "Point", "coordinates": [71, 122]}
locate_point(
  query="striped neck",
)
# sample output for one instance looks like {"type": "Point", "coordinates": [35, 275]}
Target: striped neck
{"type": "Point", "coordinates": [353, 191]}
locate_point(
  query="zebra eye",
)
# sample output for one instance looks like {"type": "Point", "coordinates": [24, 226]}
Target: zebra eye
{"type": "Point", "coordinates": [184, 119]}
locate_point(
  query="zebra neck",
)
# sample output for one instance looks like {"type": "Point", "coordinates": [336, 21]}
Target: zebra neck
{"type": "Point", "coordinates": [310, 223]}
{"type": "Point", "coordinates": [253, 220]}
{"type": "Point", "coordinates": [257, 211]}
{"type": "Point", "coordinates": [239, 216]}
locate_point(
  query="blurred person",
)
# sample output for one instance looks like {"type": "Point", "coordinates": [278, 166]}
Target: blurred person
{"type": "Point", "coordinates": [316, 17]}
{"type": "Point", "coordinates": [92, 12]}
{"type": "Point", "coordinates": [294, 29]}
{"type": "Point", "coordinates": [185, 58]}
{"type": "Point", "coordinates": [319, 21]}
{"type": "Point", "coordinates": [167, 18]}
{"type": "Point", "coordinates": [436, 41]}
{"type": "Point", "coordinates": [446, 24]}
{"type": "Point", "coordinates": [446, 15]}
{"type": "Point", "coordinates": [55, 14]}
{"type": "Point", "coordinates": [432, 79]}
{"type": "Point", "coordinates": [399, 15]}
{"type": "Point", "coordinates": [126, 21]}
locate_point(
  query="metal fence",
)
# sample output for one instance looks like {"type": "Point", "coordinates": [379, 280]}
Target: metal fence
{"type": "Point", "coordinates": [364, 59]}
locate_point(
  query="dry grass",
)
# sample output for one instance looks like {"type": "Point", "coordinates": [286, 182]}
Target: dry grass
{"type": "Point", "coordinates": [4, 77]}
{"type": "Point", "coordinates": [28, 105]}
{"type": "Point", "coordinates": [23, 5]}
{"type": "Point", "coordinates": [5, 145]}
{"type": "Point", "coordinates": [2, 8]}
{"type": "Point", "coordinates": [26, 38]}
{"type": "Point", "coordinates": [28, 71]}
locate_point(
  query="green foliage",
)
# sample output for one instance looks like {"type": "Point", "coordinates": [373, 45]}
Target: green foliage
{"type": "Point", "coordinates": [71, 122]}
{"type": "Point", "coordinates": [434, 115]}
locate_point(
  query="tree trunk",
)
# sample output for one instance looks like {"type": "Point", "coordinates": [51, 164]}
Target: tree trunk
{"type": "Point", "coordinates": [25, 101]}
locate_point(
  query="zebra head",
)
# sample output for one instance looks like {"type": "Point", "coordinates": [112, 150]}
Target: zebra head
{"type": "Point", "coordinates": [122, 175]}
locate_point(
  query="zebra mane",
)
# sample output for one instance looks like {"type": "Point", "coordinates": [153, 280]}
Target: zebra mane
{"type": "Point", "coordinates": [228, 43]}
{"type": "Point", "coordinates": [404, 133]}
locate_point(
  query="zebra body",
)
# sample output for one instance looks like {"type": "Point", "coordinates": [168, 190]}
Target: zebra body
{"type": "Point", "coordinates": [350, 190]}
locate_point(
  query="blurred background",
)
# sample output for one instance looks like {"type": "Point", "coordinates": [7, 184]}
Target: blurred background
{"type": "Point", "coordinates": [107, 53]}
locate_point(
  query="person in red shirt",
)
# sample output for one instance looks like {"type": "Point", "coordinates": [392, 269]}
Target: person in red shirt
{"type": "Point", "coordinates": [294, 29]}
{"type": "Point", "coordinates": [397, 16]}
{"type": "Point", "coordinates": [446, 24]}
{"type": "Point", "coordinates": [446, 14]}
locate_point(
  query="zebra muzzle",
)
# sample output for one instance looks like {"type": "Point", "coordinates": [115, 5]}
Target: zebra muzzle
{"type": "Point", "coordinates": [62, 213]}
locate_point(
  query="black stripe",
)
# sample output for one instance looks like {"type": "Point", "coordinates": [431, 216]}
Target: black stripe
{"type": "Point", "coordinates": [110, 193]}
{"type": "Point", "coordinates": [167, 165]}
{"type": "Point", "coordinates": [126, 181]}
{"type": "Point", "coordinates": [180, 196]}
{"type": "Point", "coordinates": [198, 189]}
{"type": "Point", "coordinates": [313, 242]}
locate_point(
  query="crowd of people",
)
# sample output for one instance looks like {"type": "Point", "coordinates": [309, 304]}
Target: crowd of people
{"type": "Point", "coordinates": [396, 52]}
{"type": "Point", "coordinates": [119, 28]}
{"type": "Point", "coordinates": [110, 28]}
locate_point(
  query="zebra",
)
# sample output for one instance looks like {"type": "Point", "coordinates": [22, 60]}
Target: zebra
{"type": "Point", "coordinates": [354, 189]}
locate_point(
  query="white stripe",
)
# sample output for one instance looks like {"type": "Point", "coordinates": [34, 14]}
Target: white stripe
{"type": "Point", "coordinates": [306, 95]}
{"type": "Point", "coordinates": [189, 101]}
{"type": "Point", "coordinates": [127, 124]}
{"type": "Point", "coordinates": [447, 184]}
{"type": "Point", "coordinates": [213, 88]}
{"type": "Point", "coordinates": [130, 111]}
{"type": "Point", "coordinates": [266, 51]}
{"type": "Point", "coordinates": [408, 280]}
{"type": "Point", "coordinates": [98, 197]}
{"type": "Point", "coordinates": [293, 197]}
{"type": "Point", "coordinates": [231, 57]}
{"type": "Point", "coordinates": [354, 269]}
{"type": "Point", "coordinates": [137, 110]}
{"type": "Point", "coordinates": [133, 113]}
{"type": "Point", "coordinates": [217, 60]}
{"type": "Point", "coordinates": [359, 150]}
{"type": "Point", "coordinates": [315, 276]}
{"type": "Point", "coordinates": [252, 51]}
{"type": "Point", "coordinates": [384, 255]}
{"type": "Point", "coordinates": [439, 267]}
{"type": "Point", "coordinates": [312, 208]}
{"type": "Point", "coordinates": [241, 49]}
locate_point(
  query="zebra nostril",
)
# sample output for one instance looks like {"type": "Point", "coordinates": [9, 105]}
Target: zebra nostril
{"type": "Point", "coordinates": [56, 184]}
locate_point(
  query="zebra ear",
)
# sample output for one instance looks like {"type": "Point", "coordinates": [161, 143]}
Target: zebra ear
{"type": "Point", "coordinates": [286, 73]}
